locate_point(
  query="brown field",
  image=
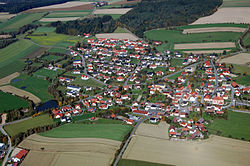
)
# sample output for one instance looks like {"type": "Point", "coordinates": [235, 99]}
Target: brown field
{"type": "Point", "coordinates": [19, 92]}
{"type": "Point", "coordinates": [205, 51]}
{"type": "Point", "coordinates": [4, 36]}
{"type": "Point", "coordinates": [204, 45]}
{"type": "Point", "coordinates": [117, 36]}
{"type": "Point", "coordinates": [6, 15]}
{"type": "Point", "coordinates": [64, 5]}
{"type": "Point", "coordinates": [58, 19]}
{"type": "Point", "coordinates": [150, 130]}
{"type": "Point", "coordinates": [7, 79]}
{"type": "Point", "coordinates": [239, 59]}
{"type": "Point", "coordinates": [112, 11]}
{"type": "Point", "coordinates": [36, 53]}
{"type": "Point", "coordinates": [213, 29]}
{"type": "Point", "coordinates": [69, 151]}
{"type": "Point", "coordinates": [227, 15]}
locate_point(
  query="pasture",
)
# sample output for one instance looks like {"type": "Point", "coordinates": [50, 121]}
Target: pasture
{"type": "Point", "coordinates": [57, 50]}
{"type": "Point", "coordinates": [69, 151]}
{"type": "Point", "coordinates": [19, 21]}
{"type": "Point", "coordinates": [120, 36]}
{"type": "Point", "coordinates": [9, 102]}
{"type": "Point", "coordinates": [11, 56]}
{"type": "Point", "coordinates": [34, 85]}
{"type": "Point", "coordinates": [16, 128]}
{"type": "Point", "coordinates": [47, 73]}
{"type": "Point", "coordinates": [107, 131]}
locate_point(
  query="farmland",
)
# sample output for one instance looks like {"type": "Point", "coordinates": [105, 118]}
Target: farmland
{"type": "Point", "coordinates": [213, 29]}
{"type": "Point", "coordinates": [126, 162]}
{"type": "Point", "coordinates": [204, 45]}
{"type": "Point", "coordinates": [239, 59]}
{"type": "Point", "coordinates": [117, 36]}
{"type": "Point", "coordinates": [61, 14]}
{"type": "Point", "coordinates": [47, 73]}
{"type": "Point", "coordinates": [246, 40]}
{"type": "Point", "coordinates": [112, 11]}
{"type": "Point", "coordinates": [9, 102]}
{"type": "Point", "coordinates": [51, 57]}
{"type": "Point", "coordinates": [58, 19]}
{"type": "Point", "coordinates": [33, 85]}
{"type": "Point", "coordinates": [19, 21]}
{"type": "Point", "coordinates": [236, 3]}
{"type": "Point", "coordinates": [237, 125]}
{"type": "Point", "coordinates": [7, 79]}
{"type": "Point", "coordinates": [114, 16]}
{"type": "Point", "coordinates": [14, 129]}
{"type": "Point", "coordinates": [70, 151]}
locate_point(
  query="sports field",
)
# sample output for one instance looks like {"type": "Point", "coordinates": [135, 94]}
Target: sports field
{"type": "Point", "coordinates": [9, 102]}
{"type": "Point", "coordinates": [11, 57]}
{"type": "Point", "coordinates": [19, 21]}
{"type": "Point", "coordinates": [42, 120]}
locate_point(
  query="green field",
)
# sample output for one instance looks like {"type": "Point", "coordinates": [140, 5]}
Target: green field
{"type": "Point", "coordinates": [212, 25]}
{"type": "Point", "coordinates": [128, 162]}
{"type": "Point", "coordinates": [62, 14]}
{"type": "Point", "coordinates": [45, 29]}
{"type": "Point", "coordinates": [171, 37]}
{"type": "Point", "coordinates": [34, 85]}
{"type": "Point", "coordinates": [57, 50]}
{"type": "Point", "coordinates": [51, 57]}
{"type": "Point", "coordinates": [108, 131]}
{"type": "Point", "coordinates": [23, 126]}
{"type": "Point", "coordinates": [47, 73]}
{"type": "Point", "coordinates": [176, 62]}
{"type": "Point", "coordinates": [19, 21]}
{"type": "Point", "coordinates": [237, 125]}
{"type": "Point", "coordinates": [11, 56]}
{"type": "Point", "coordinates": [114, 16]}
{"type": "Point", "coordinates": [240, 68]}
{"type": "Point", "coordinates": [120, 30]}
{"type": "Point", "coordinates": [9, 102]}
{"type": "Point", "coordinates": [246, 40]}
{"type": "Point", "coordinates": [174, 76]}
{"type": "Point", "coordinates": [236, 3]}
{"type": "Point", "coordinates": [83, 117]}
{"type": "Point", "coordinates": [243, 80]}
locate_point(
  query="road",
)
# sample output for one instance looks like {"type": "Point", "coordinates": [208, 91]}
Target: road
{"type": "Point", "coordinates": [131, 74]}
{"type": "Point", "coordinates": [232, 99]}
{"type": "Point", "coordinates": [247, 112]}
{"type": "Point", "coordinates": [216, 77]}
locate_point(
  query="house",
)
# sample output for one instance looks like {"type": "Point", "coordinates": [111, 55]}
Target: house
{"type": "Point", "coordinates": [74, 88]}
{"type": "Point", "coordinates": [19, 156]}
{"type": "Point", "coordinates": [84, 77]}
{"type": "Point", "coordinates": [120, 79]}
{"type": "Point", "coordinates": [218, 101]}
{"type": "Point", "coordinates": [172, 69]}
{"type": "Point", "coordinates": [129, 121]}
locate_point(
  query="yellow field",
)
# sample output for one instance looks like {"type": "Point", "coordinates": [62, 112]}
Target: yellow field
{"type": "Point", "coordinates": [213, 29]}
{"type": "Point", "coordinates": [204, 45]}
{"type": "Point", "coordinates": [239, 59]}
{"type": "Point", "coordinates": [7, 79]}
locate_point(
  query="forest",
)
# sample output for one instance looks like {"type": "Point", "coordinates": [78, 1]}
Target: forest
{"type": "Point", "coordinates": [16, 6]}
{"type": "Point", "coordinates": [165, 13]}
{"type": "Point", "coordinates": [94, 25]}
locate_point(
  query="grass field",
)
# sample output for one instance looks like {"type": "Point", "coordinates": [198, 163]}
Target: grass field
{"type": "Point", "coordinates": [236, 3]}
{"type": "Point", "coordinates": [174, 76]}
{"type": "Point", "coordinates": [62, 14]}
{"type": "Point", "coordinates": [171, 37]}
{"type": "Point", "coordinates": [212, 25]}
{"type": "Point", "coordinates": [246, 40]}
{"type": "Point", "coordinates": [120, 30]}
{"type": "Point", "coordinates": [51, 57]}
{"type": "Point", "coordinates": [23, 126]}
{"type": "Point", "coordinates": [34, 85]}
{"type": "Point", "coordinates": [9, 102]}
{"type": "Point", "coordinates": [176, 62]}
{"type": "Point", "coordinates": [240, 69]}
{"type": "Point", "coordinates": [237, 125]}
{"type": "Point", "coordinates": [57, 50]}
{"type": "Point", "coordinates": [114, 16]}
{"type": "Point", "coordinates": [47, 73]}
{"type": "Point", "coordinates": [242, 80]}
{"type": "Point", "coordinates": [45, 29]}
{"type": "Point", "coordinates": [108, 131]}
{"type": "Point", "coordinates": [19, 21]}
{"type": "Point", "coordinates": [11, 56]}
{"type": "Point", "coordinates": [126, 162]}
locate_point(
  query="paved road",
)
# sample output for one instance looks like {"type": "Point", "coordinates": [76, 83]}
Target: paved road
{"type": "Point", "coordinates": [247, 112]}
{"type": "Point", "coordinates": [216, 77]}
{"type": "Point", "coordinates": [232, 99]}
{"type": "Point", "coordinates": [131, 74]}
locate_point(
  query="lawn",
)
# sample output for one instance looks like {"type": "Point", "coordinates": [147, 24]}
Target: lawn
{"type": "Point", "coordinates": [34, 85]}
{"type": "Point", "coordinates": [11, 56]}
{"type": "Point", "coordinates": [176, 62]}
{"type": "Point", "coordinates": [108, 131]}
{"type": "Point", "coordinates": [128, 162]}
{"type": "Point", "coordinates": [171, 37]}
{"type": "Point", "coordinates": [23, 126]}
{"type": "Point", "coordinates": [120, 30]}
{"type": "Point", "coordinates": [47, 73]}
{"type": "Point", "coordinates": [173, 77]}
{"type": "Point", "coordinates": [237, 125]}
{"type": "Point", "coordinates": [9, 102]}
{"type": "Point", "coordinates": [19, 21]}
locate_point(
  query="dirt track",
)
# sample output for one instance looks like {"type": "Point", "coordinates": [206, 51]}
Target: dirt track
{"type": "Point", "coordinates": [239, 59]}
{"type": "Point", "coordinates": [112, 11]}
{"type": "Point", "coordinates": [227, 15]}
{"type": "Point", "coordinates": [58, 19]}
{"type": "Point", "coordinates": [69, 151]}
{"type": "Point", "coordinates": [7, 79]}
{"type": "Point", "coordinates": [204, 45]}
{"type": "Point", "coordinates": [214, 29]}
{"type": "Point", "coordinates": [19, 92]}
{"type": "Point", "coordinates": [117, 36]}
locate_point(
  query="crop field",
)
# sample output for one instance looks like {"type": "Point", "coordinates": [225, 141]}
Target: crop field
{"type": "Point", "coordinates": [70, 151]}
{"type": "Point", "coordinates": [206, 51]}
{"type": "Point", "coordinates": [114, 16]}
{"type": "Point", "coordinates": [19, 21]}
{"type": "Point", "coordinates": [67, 14]}
{"type": "Point", "coordinates": [239, 59]}
{"type": "Point", "coordinates": [204, 45]}
{"type": "Point", "coordinates": [9, 102]}
{"type": "Point", "coordinates": [227, 15]}
{"type": "Point", "coordinates": [112, 11]}
{"type": "Point", "coordinates": [58, 19]}
{"type": "Point", "coordinates": [237, 125]}
{"type": "Point", "coordinates": [246, 40]}
{"type": "Point", "coordinates": [51, 57]}
{"type": "Point", "coordinates": [172, 37]}
{"type": "Point", "coordinates": [6, 16]}
{"type": "Point", "coordinates": [7, 79]}
{"type": "Point", "coordinates": [42, 120]}
{"type": "Point", "coordinates": [45, 29]}
{"type": "Point", "coordinates": [107, 131]}
{"type": "Point", "coordinates": [33, 85]}
{"type": "Point", "coordinates": [11, 57]}
{"type": "Point", "coordinates": [127, 162]}
{"type": "Point", "coordinates": [236, 3]}
{"type": "Point", "coordinates": [214, 29]}
{"type": "Point", "coordinates": [47, 73]}
{"type": "Point", "coordinates": [223, 25]}
{"type": "Point", "coordinates": [117, 36]}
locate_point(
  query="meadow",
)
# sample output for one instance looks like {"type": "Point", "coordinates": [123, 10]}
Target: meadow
{"type": "Point", "coordinates": [9, 102]}
{"type": "Point", "coordinates": [108, 131]}
{"type": "Point", "coordinates": [16, 128]}
{"type": "Point", "coordinates": [34, 85]}
{"type": "Point", "coordinates": [236, 3]}
{"type": "Point", "coordinates": [19, 21]}
{"type": "Point", "coordinates": [11, 56]}
{"type": "Point", "coordinates": [47, 73]}
{"type": "Point", "coordinates": [237, 126]}
{"type": "Point", "coordinates": [57, 50]}
{"type": "Point", "coordinates": [51, 57]}
{"type": "Point", "coordinates": [44, 29]}
{"type": "Point", "coordinates": [120, 30]}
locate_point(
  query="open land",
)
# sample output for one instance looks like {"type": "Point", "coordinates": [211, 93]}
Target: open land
{"type": "Point", "coordinates": [19, 92]}
{"type": "Point", "coordinates": [112, 11]}
{"type": "Point", "coordinates": [66, 14]}
{"type": "Point", "coordinates": [227, 15]}
{"type": "Point", "coordinates": [58, 19]}
{"type": "Point", "coordinates": [236, 3]}
{"type": "Point", "coordinates": [64, 5]}
{"type": "Point", "coordinates": [69, 151]}
{"type": "Point", "coordinates": [204, 45]}
{"type": "Point", "coordinates": [7, 79]}
{"type": "Point", "coordinates": [214, 29]}
{"type": "Point", "coordinates": [205, 51]}
{"type": "Point", "coordinates": [240, 59]}
{"type": "Point", "coordinates": [117, 36]}
{"type": "Point", "coordinates": [159, 131]}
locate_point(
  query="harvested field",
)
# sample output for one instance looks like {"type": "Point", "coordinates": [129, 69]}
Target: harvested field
{"type": "Point", "coordinates": [125, 2]}
{"type": "Point", "coordinates": [204, 45]}
{"type": "Point", "coordinates": [227, 15]}
{"type": "Point", "coordinates": [213, 151]}
{"type": "Point", "coordinates": [5, 16]}
{"type": "Point", "coordinates": [205, 51]}
{"type": "Point", "coordinates": [64, 5]}
{"type": "Point", "coordinates": [117, 36]}
{"type": "Point", "coordinates": [150, 130]}
{"type": "Point", "coordinates": [214, 29]}
{"type": "Point", "coordinates": [19, 92]}
{"type": "Point", "coordinates": [112, 11]}
{"type": "Point", "coordinates": [58, 19]}
{"type": "Point", "coordinates": [239, 59]}
{"type": "Point", "coordinates": [7, 79]}
{"type": "Point", "coordinates": [57, 151]}
{"type": "Point", "coordinates": [5, 36]}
